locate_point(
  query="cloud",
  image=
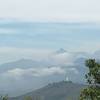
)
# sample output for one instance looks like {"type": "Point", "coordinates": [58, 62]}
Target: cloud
{"type": "Point", "coordinates": [35, 77]}
{"type": "Point", "coordinates": [19, 73]}
{"type": "Point", "coordinates": [30, 78]}
{"type": "Point", "coordinates": [8, 54]}
{"type": "Point", "coordinates": [63, 58]}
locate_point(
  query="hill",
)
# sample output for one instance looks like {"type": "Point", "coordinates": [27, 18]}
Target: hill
{"type": "Point", "coordinates": [55, 91]}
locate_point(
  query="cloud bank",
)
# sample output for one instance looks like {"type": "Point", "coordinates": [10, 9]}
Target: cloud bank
{"type": "Point", "coordinates": [18, 73]}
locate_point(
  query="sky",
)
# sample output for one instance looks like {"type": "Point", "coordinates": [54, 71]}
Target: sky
{"type": "Point", "coordinates": [37, 40]}
{"type": "Point", "coordinates": [51, 10]}
{"type": "Point", "coordinates": [43, 26]}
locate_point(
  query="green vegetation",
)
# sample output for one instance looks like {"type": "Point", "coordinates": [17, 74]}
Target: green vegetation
{"type": "Point", "coordinates": [92, 92]}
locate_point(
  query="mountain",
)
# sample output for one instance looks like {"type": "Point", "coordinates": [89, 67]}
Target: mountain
{"type": "Point", "coordinates": [27, 75]}
{"type": "Point", "coordinates": [60, 51]}
{"type": "Point", "coordinates": [56, 91]}
{"type": "Point", "coordinates": [22, 63]}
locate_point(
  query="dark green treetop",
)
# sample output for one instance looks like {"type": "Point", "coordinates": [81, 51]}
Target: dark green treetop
{"type": "Point", "coordinates": [92, 92]}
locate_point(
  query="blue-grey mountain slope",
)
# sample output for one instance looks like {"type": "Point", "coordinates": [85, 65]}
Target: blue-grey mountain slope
{"type": "Point", "coordinates": [56, 91]}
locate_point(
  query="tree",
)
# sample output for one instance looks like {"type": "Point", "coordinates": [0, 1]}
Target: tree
{"type": "Point", "coordinates": [92, 92]}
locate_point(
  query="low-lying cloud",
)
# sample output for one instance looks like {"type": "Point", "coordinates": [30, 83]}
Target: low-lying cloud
{"type": "Point", "coordinates": [59, 66]}
{"type": "Point", "coordinates": [34, 72]}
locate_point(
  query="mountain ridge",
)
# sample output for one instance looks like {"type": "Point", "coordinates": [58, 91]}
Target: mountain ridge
{"type": "Point", "coordinates": [55, 91]}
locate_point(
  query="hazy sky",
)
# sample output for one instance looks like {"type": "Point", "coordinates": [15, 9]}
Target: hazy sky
{"type": "Point", "coordinates": [74, 37]}
{"type": "Point", "coordinates": [51, 10]}
{"type": "Point", "coordinates": [21, 39]}
{"type": "Point", "coordinates": [37, 40]}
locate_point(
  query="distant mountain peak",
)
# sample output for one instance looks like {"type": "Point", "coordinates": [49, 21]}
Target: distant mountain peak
{"type": "Point", "coordinates": [60, 51]}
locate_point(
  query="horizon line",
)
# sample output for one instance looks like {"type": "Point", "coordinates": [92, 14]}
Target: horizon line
{"type": "Point", "coordinates": [49, 21]}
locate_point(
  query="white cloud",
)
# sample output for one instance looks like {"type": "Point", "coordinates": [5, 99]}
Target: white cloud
{"type": "Point", "coordinates": [80, 10]}
{"type": "Point", "coordinates": [11, 54]}
{"type": "Point", "coordinates": [19, 73]}
{"type": "Point", "coordinates": [63, 58]}
{"type": "Point", "coordinates": [46, 55]}
{"type": "Point", "coordinates": [32, 78]}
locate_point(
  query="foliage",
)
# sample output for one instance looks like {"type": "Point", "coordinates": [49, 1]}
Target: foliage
{"type": "Point", "coordinates": [92, 92]}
